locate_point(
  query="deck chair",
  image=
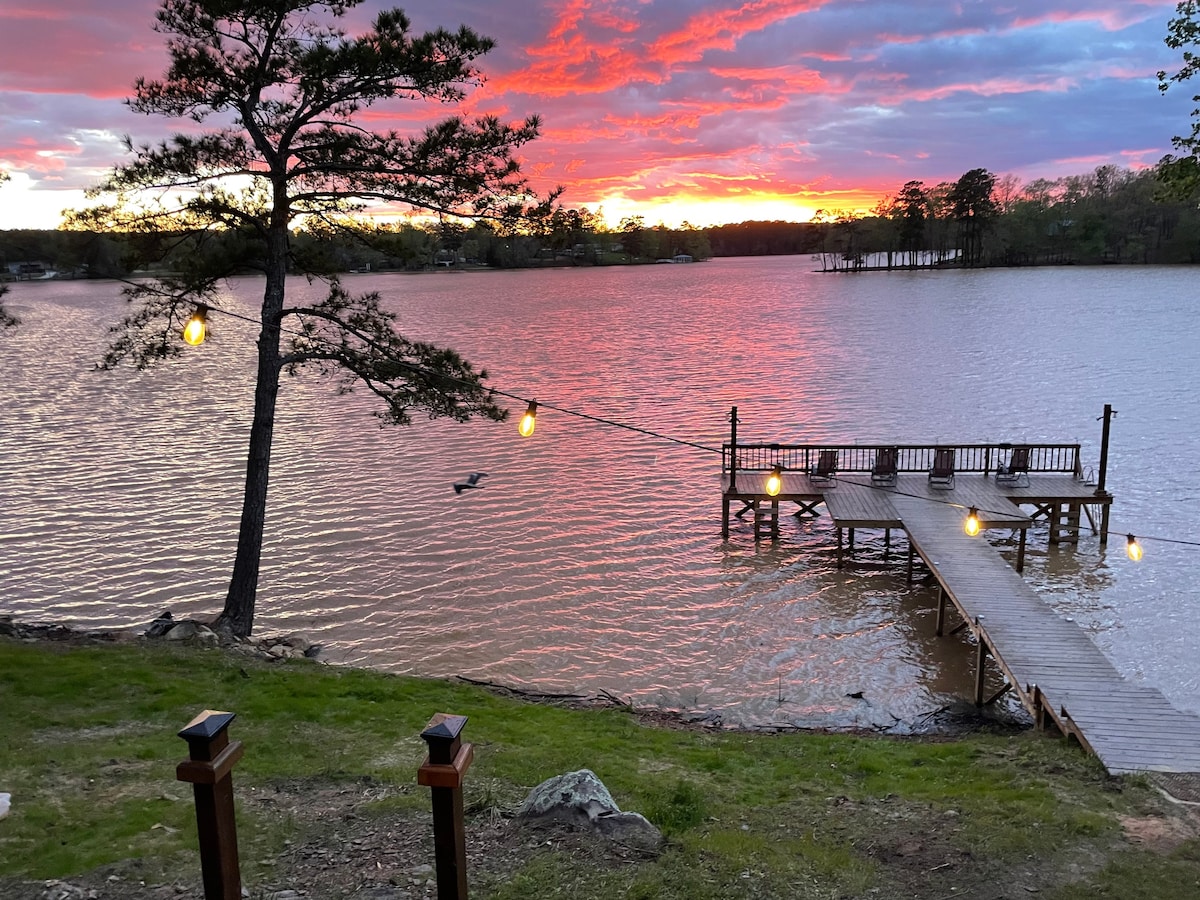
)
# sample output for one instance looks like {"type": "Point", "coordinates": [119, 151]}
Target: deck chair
{"type": "Point", "coordinates": [825, 471]}
{"type": "Point", "coordinates": [941, 474]}
{"type": "Point", "coordinates": [884, 470]}
{"type": "Point", "coordinates": [1016, 471]}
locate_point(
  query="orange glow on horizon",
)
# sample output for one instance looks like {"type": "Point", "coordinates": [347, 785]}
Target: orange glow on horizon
{"type": "Point", "coordinates": [702, 211]}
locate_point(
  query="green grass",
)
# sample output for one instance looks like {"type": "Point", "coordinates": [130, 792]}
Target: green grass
{"type": "Point", "coordinates": [89, 751]}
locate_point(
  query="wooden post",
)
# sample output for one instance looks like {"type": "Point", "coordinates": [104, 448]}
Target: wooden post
{"type": "Point", "coordinates": [941, 614]}
{"type": "Point", "coordinates": [839, 547]}
{"type": "Point", "coordinates": [209, 767]}
{"type": "Point", "coordinates": [1021, 552]}
{"type": "Point", "coordinates": [980, 659]}
{"type": "Point", "coordinates": [1101, 490]}
{"type": "Point", "coordinates": [443, 771]}
{"type": "Point", "coordinates": [733, 422]}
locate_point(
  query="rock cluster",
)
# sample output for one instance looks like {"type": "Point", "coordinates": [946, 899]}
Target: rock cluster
{"type": "Point", "coordinates": [291, 646]}
{"type": "Point", "coordinates": [166, 627]}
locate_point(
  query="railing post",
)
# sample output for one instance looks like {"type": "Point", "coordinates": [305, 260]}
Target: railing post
{"type": "Point", "coordinates": [1104, 432]}
{"type": "Point", "coordinates": [1101, 491]}
{"type": "Point", "coordinates": [733, 422]}
{"type": "Point", "coordinates": [443, 771]}
{"type": "Point", "coordinates": [209, 768]}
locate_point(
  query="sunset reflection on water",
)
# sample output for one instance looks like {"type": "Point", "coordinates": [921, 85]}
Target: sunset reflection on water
{"type": "Point", "coordinates": [591, 557]}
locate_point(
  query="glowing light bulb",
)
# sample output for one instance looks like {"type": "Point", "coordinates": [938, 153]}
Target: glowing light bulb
{"type": "Point", "coordinates": [971, 525]}
{"type": "Point", "coordinates": [196, 328]}
{"type": "Point", "coordinates": [774, 482]}
{"type": "Point", "coordinates": [529, 420]}
{"type": "Point", "coordinates": [1133, 548]}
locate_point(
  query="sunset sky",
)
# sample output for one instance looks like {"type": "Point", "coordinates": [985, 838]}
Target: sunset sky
{"type": "Point", "coordinates": [708, 111]}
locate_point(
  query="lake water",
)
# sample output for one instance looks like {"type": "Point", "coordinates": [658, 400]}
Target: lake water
{"type": "Point", "coordinates": [591, 560]}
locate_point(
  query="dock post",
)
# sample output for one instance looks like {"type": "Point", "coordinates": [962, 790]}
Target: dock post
{"type": "Point", "coordinates": [980, 660]}
{"type": "Point", "coordinates": [209, 769]}
{"type": "Point", "coordinates": [732, 488]}
{"type": "Point", "coordinates": [733, 420]}
{"type": "Point", "coordinates": [1021, 552]}
{"type": "Point", "coordinates": [1101, 490]}
{"type": "Point", "coordinates": [941, 614]}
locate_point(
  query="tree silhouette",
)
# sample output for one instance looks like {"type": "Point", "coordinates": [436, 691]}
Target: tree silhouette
{"type": "Point", "coordinates": [912, 209]}
{"type": "Point", "coordinates": [1180, 175]}
{"type": "Point", "coordinates": [973, 208]}
{"type": "Point", "coordinates": [285, 86]}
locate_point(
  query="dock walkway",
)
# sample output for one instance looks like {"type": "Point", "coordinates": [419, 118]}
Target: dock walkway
{"type": "Point", "coordinates": [1055, 668]}
{"type": "Point", "coordinates": [1052, 665]}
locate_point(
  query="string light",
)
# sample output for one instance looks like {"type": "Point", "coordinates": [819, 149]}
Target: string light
{"type": "Point", "coordinates": [529, 420]}
{"type": "Point", "coordinates": [1133, 548]}
{"type": "Point", "coordinates": [971, 525]}
{"type": "Point", "coordinates": [1133, 544]}
{"type": "Point", "coordinates": [196, 327]}
{"type": "Point", "coordinates": [533, 404]}
{"type": "Point", "coordinates": [774, 482]}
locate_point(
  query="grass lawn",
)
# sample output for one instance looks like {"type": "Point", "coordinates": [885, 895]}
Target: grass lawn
{"type": "Point", "coordinates": [329, 806]}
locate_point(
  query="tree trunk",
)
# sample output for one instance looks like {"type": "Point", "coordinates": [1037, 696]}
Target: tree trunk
{"type": "Point", "coordinates": [238, 614]}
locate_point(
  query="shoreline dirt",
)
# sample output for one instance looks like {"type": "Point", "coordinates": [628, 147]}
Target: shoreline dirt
{"type": "Point", "coordinates": [950, 721]}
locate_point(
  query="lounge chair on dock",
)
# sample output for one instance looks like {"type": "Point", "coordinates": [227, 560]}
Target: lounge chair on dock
{"type": "Point", "coordinates": [1016, 470]}
{"type": "Point", "coordinates": [941, 474]}
{"type": "Point", "coordinates": [884, 470]}
{"type": "Point", "coordinates": [825, 471]}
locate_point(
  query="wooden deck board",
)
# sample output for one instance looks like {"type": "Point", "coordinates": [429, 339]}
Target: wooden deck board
{"type": "Point", "coordinates": [1129, 727]}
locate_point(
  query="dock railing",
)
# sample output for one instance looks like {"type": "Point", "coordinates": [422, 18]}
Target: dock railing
{"type": "Point", "coordinates": [984, 458]}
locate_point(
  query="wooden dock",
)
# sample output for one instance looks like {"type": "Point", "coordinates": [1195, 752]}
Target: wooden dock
{"type": "Point", "coordinates": [1051, 665]}
{"type": "Point", "coordinates": [1057, 671]}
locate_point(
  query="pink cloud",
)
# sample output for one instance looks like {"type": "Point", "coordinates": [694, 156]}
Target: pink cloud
{"type": "Point", "coordinates": [1113, 19]}
{"type": "Point", "coordinates": [90, 48]}
{"type": "Point", "coordinates": [720, 29]}
{"type": "Point", "coordinates": [988, 88]}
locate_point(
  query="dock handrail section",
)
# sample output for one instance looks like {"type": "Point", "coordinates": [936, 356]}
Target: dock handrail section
{"type": "Point", "coordinates": [985, 458]}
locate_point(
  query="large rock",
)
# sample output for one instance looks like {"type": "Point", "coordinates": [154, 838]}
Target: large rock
{"type": "Point", "coordinates": [184, 631]}
{"type": "Point", "coordinates": [580, 800]}
{"type": "Point", "coordinates": [160, 626]}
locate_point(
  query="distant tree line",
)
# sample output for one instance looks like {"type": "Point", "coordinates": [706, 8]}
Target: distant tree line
{"type": "Point", "coordinates": [562, 237]}
{"type": "Point", "coordinates": [1110, 215]}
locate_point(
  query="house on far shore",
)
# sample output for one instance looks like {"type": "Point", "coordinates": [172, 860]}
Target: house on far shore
{"type": "Point", "coordinates": [682, 258]}
{"type": "Point", "coordinates": [29, 271]}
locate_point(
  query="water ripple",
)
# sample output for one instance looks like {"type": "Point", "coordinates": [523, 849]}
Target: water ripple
{"type": "Point", "coordinates": [591, 558]}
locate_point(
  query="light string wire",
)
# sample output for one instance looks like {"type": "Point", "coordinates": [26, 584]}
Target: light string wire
{"type": "Point", "coordinates": [654, 434]}
{"type": "Point", "coordinates": [462, 381]}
